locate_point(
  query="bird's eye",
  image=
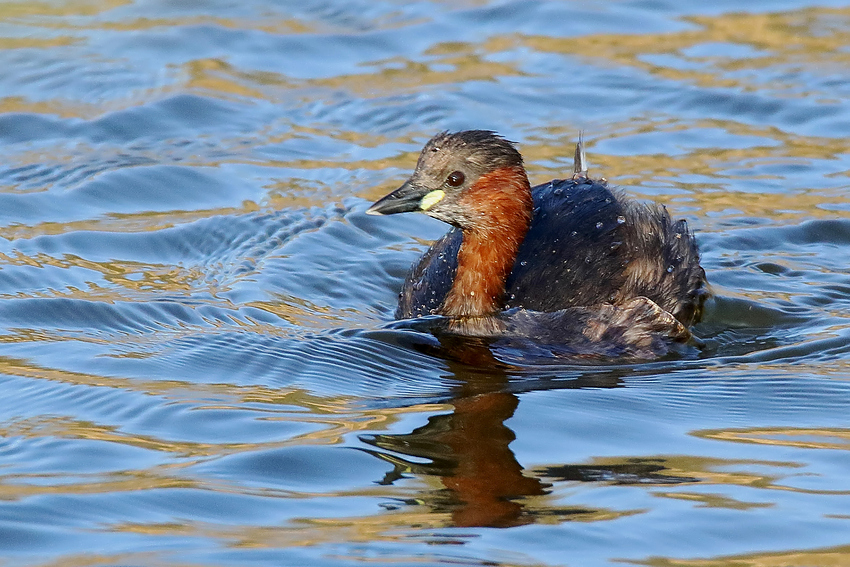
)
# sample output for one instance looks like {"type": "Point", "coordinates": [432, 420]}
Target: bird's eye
{"type": "Point", "coordinates": [455, 179]}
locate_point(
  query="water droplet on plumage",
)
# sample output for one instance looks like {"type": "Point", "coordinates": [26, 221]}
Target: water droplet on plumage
{"type": "Point", "coordinates": [599, 225]}
{"type": "Point", "coordinates": [621, 219]}
{"type": "Point", "coordinates": [573, 233]}
{"type": "Point", "coordinates": [670, 269]}
{"type": "Point", "coordinates": [558, 191]}
{"type": "Point", "coordinates": [523, 263]}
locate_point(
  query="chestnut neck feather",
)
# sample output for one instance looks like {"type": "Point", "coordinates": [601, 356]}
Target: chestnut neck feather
{"type": "Point", "coordinates": [500, 205]}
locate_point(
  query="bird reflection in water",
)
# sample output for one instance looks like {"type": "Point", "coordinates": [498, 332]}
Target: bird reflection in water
{"type": "Point", "coordinates": [469, 448]}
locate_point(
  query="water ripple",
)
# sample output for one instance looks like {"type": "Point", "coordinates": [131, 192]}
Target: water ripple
{"type": "Point", "coordinates": [197, 349]}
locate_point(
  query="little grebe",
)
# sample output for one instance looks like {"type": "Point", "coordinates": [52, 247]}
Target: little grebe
{"type": "Point", "coordinates": [571, 244]}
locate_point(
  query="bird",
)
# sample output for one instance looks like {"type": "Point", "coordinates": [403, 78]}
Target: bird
{"type": "Point", "coordinates": [573, 258]}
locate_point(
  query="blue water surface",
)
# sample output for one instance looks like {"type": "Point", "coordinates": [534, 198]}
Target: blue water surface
{"type": "Point", "coordinates": [197, 353]}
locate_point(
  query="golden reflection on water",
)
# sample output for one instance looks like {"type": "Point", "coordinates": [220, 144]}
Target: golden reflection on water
{"type": "Point", "coordinates": [12, 11]}
{"type": "Point", "coordinates": [404, 525]}
{"type": "Point", "coordinates": [133, 276]}
{"type": "Point", "coordinates": [821, 557]}
{"type": "Point", "coordinates": [29, 42]}
{"type": "Point", "coordinates": [303, 404]}
{"type": "Point", "coordinates": [220, 78]}
{"type": "Point", "coordinates": [20, 487]}
{"type": "Point", "coordinates": [796, 38]}
{"type": "Point", "coordinates": [399, 75]}
{"type": "Point", "coordinates": [801, 438]}
{"type": "Point", "coordinates": [136, 222]}
{"type": "Point", "coordinates": [148, 558]}
{"type": "Point", "coordinates": [710, 500]}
